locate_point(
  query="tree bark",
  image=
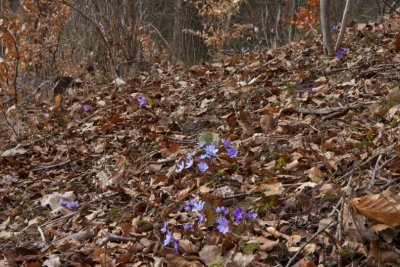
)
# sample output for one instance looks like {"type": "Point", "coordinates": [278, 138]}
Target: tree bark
{"type": "Point", "coordinates": [345, 17]}
{"type": "Point", "coordinates": [325, 6]}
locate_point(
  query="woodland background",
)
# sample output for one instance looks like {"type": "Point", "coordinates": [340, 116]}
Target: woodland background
{"type": "Point", "coordinates": [122, 37]}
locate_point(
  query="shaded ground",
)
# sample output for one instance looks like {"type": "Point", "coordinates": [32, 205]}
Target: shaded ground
{"type": "Point", "coordinates": [313, 134]}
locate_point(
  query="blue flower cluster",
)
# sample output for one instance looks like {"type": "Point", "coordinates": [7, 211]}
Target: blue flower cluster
{"type": "Point", "coordinates": [169, 237]}
{"type": "Point", "coordinates": [68, 204]}
{"type": "Point", "coordinates": [239, 215]}
{"type": "Point", "coordinates": [209, 151]}
{"type": "Point", "coordinates": [339, 54]}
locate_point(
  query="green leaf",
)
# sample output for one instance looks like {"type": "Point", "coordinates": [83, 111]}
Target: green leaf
{"type": "Point", "coordinates": [251, 247]}
{"type": "Point", "coordinates": [209, 138]}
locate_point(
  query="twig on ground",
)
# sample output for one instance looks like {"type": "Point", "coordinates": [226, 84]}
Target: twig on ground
{"type": "Point", "coordinates": [116, 238]}
{"type": "Point", "coordinates": [308, 241]}
{"type": "Point", "coordinates": [51, 166]}
{"type": "Point", "coordinates": [374, 171]}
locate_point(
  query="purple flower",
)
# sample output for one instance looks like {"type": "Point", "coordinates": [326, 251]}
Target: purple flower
{"type": "Point", "coordinates": [335, 27]}
{"type": "Point", "coordinates": [188, 227]}
{"type": "Point", "coordinates": [232, 152]}
{"type": "Point", "coordinates": [86, 107]}
{"type": "Point", "coordinates": [227, 143]}
{"type": "Point", "coordinates": [223, 225]}
{"type": "Point", "coordinates": [189, 204]}
{"type": "Point", "coordinates": [176, 245]}
{"type": "Point", "coordinates": [168, 238]}
{"type": "Point", "coordinates": [189, 162]}
{"type": "Point", "coordinates": [142, 101]}
{"type": "Point", "coordinates": [194, 206]}
{"type": "Point", "coordinates": [68, 204]}
{"type": "Point", "coordinates": [202, 218]}
{"type": "Point", "coordinates": [222, 210]}
{"type": "Point", "coordinates": [239, 215]}
{"type": "Point", "coordinates": [345, 50]}
{"type": "Point", "coordinates": [310, 89]}
{"type": "Point", "coordinates": [202, 166]}
{"type": "Point", "coordinates": [164, 229]}
{"type": "Point", "coordinates": [211, 151]}
{"type": "Point", "coordinates": [251, 215]}
{"type": "Point", "coordinates": [181, 166]}
{"type": "Point", "coordinates": [201, 145]}
{"type": "Point", "coordinates": [339, 54]}
{"type": "Point", "coordinates": [198, 206]}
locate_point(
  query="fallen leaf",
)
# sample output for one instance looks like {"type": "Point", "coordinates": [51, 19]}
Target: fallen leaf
{"type": "Point", "coordinates": [383, 207]}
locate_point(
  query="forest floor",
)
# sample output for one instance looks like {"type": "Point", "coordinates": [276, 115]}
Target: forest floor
{"type": "Point", "coordinates": [142, 174]}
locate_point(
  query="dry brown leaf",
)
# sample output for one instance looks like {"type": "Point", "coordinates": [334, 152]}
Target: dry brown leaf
{"type": "Point", "coordinates": [383, 207]}
{"type": "Point", "coordinates": [316, 175]}
{"type": "Point", "coordinates": [171, 151]}
{"type": "Point", "coordinates": [175, 260]}
{"type": "Point", "coordinates": [266, 244]}
{"type": "Point", "coordinates": [270, 189]}
{"type": "Point", "coordinates": [267, 123]}
{"type": "Point", "coordinates": [210, 254]}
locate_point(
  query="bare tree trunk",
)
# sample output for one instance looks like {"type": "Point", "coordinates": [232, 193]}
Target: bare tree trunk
{"type": "Point", "coordinates": [177, 33]}
{"type": "Point", "coordinates": [345, 17]}
{"type": "Point", "coordinates": [326, 27]}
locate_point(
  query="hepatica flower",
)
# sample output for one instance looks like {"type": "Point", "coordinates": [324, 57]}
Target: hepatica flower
{"type": "Point", "coordinates": [168, 238]}
{"type": "Point", "coordinates": [188, 227]}
{"type": "Point", "coordinates": [202, 166]}
{"type": "Point", "coordinates": [339, 54]}
{"type": "Point", "coordinates": [189, 162]}
{"type": "Point", "coordinates": [180, 167]}
{"type": "Point", "coordinates": [223, 225]}
{"type": "Point", "coordinates": [194, 206]}
{"type": "Point", "coordinates": [198, 206]}
{"type": "Point", "coordinates": [345, 50]}
{"type": "Point", "coordinates": [142, 101]}
{"type": "Point", "coordinates": [227, 143]}
{"type": "Point", "coordinates": [310, 89]}
{"type": "Point", "coordinates": [202, 218]}
{"type": "Point", "coordinates": [68, 204]}
{"type": "Point", "coordinates": [211, 150]}
{"type": "Point", "coordinates": [251, 215]}
{"type": "Point", "coordinates": [232, 152]}
{"type": "Point", "coordinates": [176, 245]}
{"type": "Point", "coordinates": [201, 145]}
{"type": "Point", "coordinates": [164, 229]}
{"type": "Point", "coordinates": [222, 210]}
{"type": "Point", "coordinates": [86, 107]}
{"type": "Point", "coordinates": [239, 215]}
{"type": "Point", "coordinates": [335, 27]}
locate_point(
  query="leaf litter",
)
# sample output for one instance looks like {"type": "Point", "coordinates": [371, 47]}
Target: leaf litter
{"type": "Point", "coordinates": [260, 159]}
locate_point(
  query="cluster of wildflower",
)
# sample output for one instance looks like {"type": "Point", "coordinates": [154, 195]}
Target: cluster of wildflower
{"type": "Point", "coordinates": [209, 152]}
{"type": "Point", "coordinates": [190, 206]}
{"type": "Point", "coordinates": [68, 204]}
{"type": "Point", "coordinates": [169, 237]}
{"type": "Point", "coordinates": [239, 215]}
{"type": "Point", "coordinates": [339, 53]}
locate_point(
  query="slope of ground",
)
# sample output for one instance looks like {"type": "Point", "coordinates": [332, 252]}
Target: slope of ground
{"type": "Point", "coordinates": [310, 174]}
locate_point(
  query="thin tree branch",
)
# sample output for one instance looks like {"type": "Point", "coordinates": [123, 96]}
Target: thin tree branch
{"type": "Point", "coordinates": [16, 66]}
